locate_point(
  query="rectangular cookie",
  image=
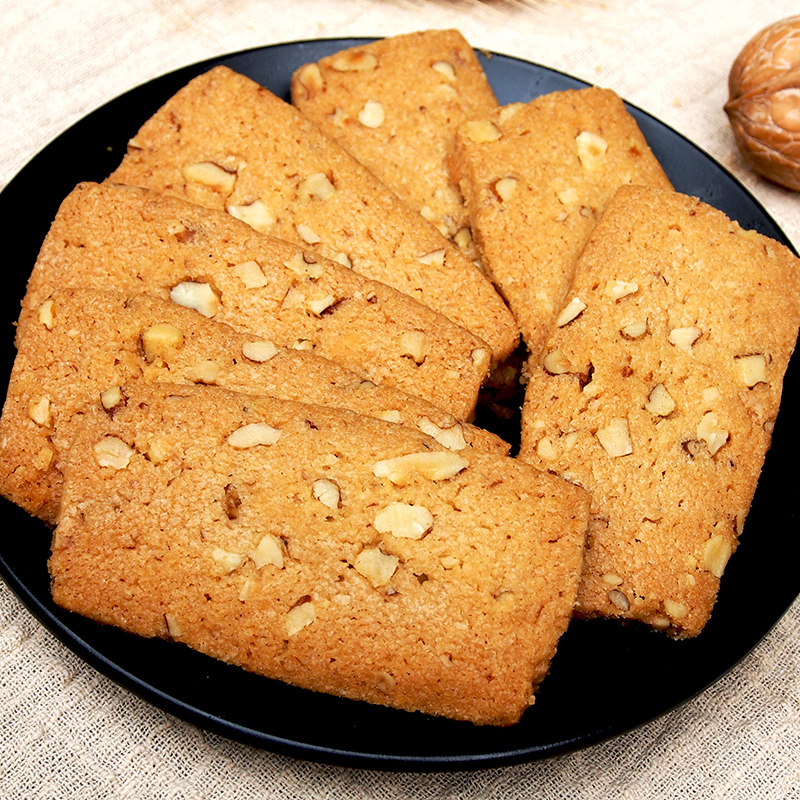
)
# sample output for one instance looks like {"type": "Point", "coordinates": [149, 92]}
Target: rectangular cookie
{"type": "Point", "coordinates": [57, 375]}
{"type": "Point", "coordinates": [329, 550]}
{"type": "Point", "coordinates": [536, 177]}
{"type": "Point", "coordinates": [134, 240]}
{"type": "Point", "coordinates": [345, 93]}
{"type": "Point", "coordinates": [658, 393]}
{"type": "Point", "coordinates": [227, 143]}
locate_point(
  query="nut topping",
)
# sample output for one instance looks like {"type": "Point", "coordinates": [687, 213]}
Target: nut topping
{"type": "Point", "coordinates": [591, 149]}
{"type": "Point", "coordinates": [210, 174]}
{"type": "Point", "coordinates": [413, 344]}
{"type": "Point", "coordinates": [435, 466]}
{"type": "Point", "coordinates": [716, 553]}
{"type": "Point", "coordinates": [571, 311]}
{"type": "Point", "coordinates": [268, 551]}
{"type": "Point", "coordinates": [198, 296]}
{"type": "Point", "coordinates": [451, 437]}
{"type": "Point", "coordinates": [709, 431]}
{"type": "Point", "coordinates": [354, 61]}
{"type": "Point", "coordinates": [615, 438]}
{"type": "Point", "coordinates": [112, 452]}
{"type": "Point", "coordinates": [316, 185]}
{"type": "Point", "coordinates": [660, 402]}
{"type": "Point", "coordinates": [46, 314]}
{"type": "Point", "coordinates": [226, 560]}
{"type": "Point", "coordinates": [504, 188]}
{"type": "Point", "coordinates": [482, 130]}
{"type": "Point", "coordinates": [160, 340]}
{"type": "Point", "coordinates": [445, 68]}
{"type": "Point", "coordinates": [300, 617]}
{"type": "Point", "coordinates": [684, 338]}
{"type": "Point", "coordinates": [327, 492]}
{"type": "Point", "coordinates": [255, 214]}
{"type": "Point", "coordinates": [252, 435]}
{"type": "Point", "coordinates": [752, 369]}
{"type": "Point", "coordinates": [404, 520]}
{"type": "Point", "coordinates": [250, 274]}
{"type": "Point", "coordinates": [375, 565]}
{"type": "Point", "coordinates": [259, 351]}
{"type": "Point", "coordinates": [616, 290]}
{"type": "Point", "coordinates": [39, 411]}
{"type": "Point", "coordinates": [372, 114]}
{"type": "Point", "coordinates": [307, 234]}
{"type": "Point", "coordinates": [310, 78]}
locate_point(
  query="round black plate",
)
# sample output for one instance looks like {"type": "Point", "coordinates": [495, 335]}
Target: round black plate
{"type": "Point", "coordinates": [606, 678]}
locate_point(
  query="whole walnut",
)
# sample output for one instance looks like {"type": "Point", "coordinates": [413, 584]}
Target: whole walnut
{"type": "Point", "coordinates": [764, 104]}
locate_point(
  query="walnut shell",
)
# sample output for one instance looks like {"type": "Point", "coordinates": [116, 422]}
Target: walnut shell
{"type": "Point", "coordinates": [764, 103]}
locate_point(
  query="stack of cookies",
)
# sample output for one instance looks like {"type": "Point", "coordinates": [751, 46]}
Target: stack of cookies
{"type": "Point", "coordinates": [249, 365]}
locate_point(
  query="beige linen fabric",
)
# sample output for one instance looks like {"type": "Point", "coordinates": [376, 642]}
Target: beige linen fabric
{"type": "Point", "coordinates": [67, 732]}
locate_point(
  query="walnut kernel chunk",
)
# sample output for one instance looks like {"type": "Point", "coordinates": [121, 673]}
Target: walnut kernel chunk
{"type": "Point", "coordinates": [327, 492]}
{"type": "Point", "coordinates": [226, 560]}
{"type": "Point", "coordinates": [310, 78]}
{"type": "Point", "coordinates": [111, 397]}
{"type": "Point", "coordinates": [210, 174]}
{"type": "Point", "coordinates": [414, 344]}
{"type": "Point", "coordinates": [256, 214]}
{"type": "Point", "coordinates": [685, 337]}
{"type": "Point", "coordinates": [198, 296]}
{"type": "Point", "coordinates": [505, 188]}
{"type": "Point", "coordinates": [46, 315]}
{"type": "Point", "coordinates": [752, 369]}
{"type": "Point", "coordinates": [616, 290]}
{"type": "Point", "coordinates": [375, 565]}
{"type": "Point", "coordinates": [482, 130]}
{"type": "Point", "coordinates": [205, 371]}
{"type": "Point", "coordinates": [451, 437]}
{"type": "Point", "coordinates": [571, 311]}
{"type": "Point", "coordinates": [268, 551]}
{"type": "Point", "coordinates": [250, 274]}
{"type": "Point", "coordinates": [433, 259]}
{"type": "Point", "coordinates": [372, 114]}
{"type": "Point", "coordinates": [160, 340]}
{"type": "Point", "coordinates": [435, 466]}
{"type": "Point", "coordinates": [259, 351]}
{"type": "Point", "coordinates": [444, 68]}
{"type": "Point", "coordinates": [316, 185]}
{"type": "Point", "coordinates": [354, 61]}
{"type": "Point", "coordinates": [39, 411]}
{"type": "Point", "coordinates": [709, 431]}
{"type": "Point", "coordinates": [716, 553]}
{"type": "Point", "coordinates": [634, 330]}
{"type": "Point", "coordinates": [591, 149]}
{"type": "Point", "coordinates": [299, 617]}
{"type": "Point", "coordinates": [659, 402]}
{"type": "Point", "coordinates": [252, 435]}
{"type": "Point", "coordinates": [112, 452]}
{"type": "Point", "coordinates": [405, 520]}
{"type": "Point", "coordinates": [615, 438]}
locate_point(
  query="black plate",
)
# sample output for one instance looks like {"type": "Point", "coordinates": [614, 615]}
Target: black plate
{"type": "Point", "coordinates": [606, 678]}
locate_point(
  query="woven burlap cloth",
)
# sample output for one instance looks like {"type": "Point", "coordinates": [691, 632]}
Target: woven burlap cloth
{"type": "Point", "coordinates": [68, 732]}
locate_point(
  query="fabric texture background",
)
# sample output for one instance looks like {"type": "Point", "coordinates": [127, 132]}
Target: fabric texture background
{"type": "Point", "coordinates": [68, 732]}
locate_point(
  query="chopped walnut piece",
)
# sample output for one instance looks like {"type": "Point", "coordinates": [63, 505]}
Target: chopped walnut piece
{"type": "Point", "coordinates": [316, 305]}
{"type": "Point", "coordinates": [43, 458]}
{"type": "Point", "coordinates": [556, 363]}
{"type": "Point", "coordinates": [260, 351]}
{"type": "Point", "coordinates": [546, 450]}
{"type": "Point", "coordinates": [226, 560]}
{"type": "Point", "coordinates": [268, 551]}
{"type": "Point", "coordinates": [405, 520]}
{"type": "Point", "coordinates": [435, 466]}
{"type": "Point", "coordinates": [414, 344]}
{"type": "Point", "coordinates": [675, 609]}
{"type": "Point", "coordinates": [354, 61]}
{"type": "Point", "coordinates": [256, 214]}
{"type": "Point", "coordinates": [571, 311]}
{"type": "Point", "coordinates": [160, 340]}
{"type": "Point", "coordinates": [685, 337]}
{"type": "Point", "coordinates": [316, 185]}
{"type": "Point", "coordinates": [299, 617]}
{"type": "Point", "coordinates": [451, 437]}
{"type": "Point", "coordinates": [111, 397]}
{"type": "Point", "coordinates": [616, 290]}
{"type": "Point", "coordinates": [39, 411]}
{"type": "Point", "coordinates": [198, 296]}
{"type": "Point", "coordinates": [327, 492]}
{"type": "Point", "coordinates": [505, 187]}
{"type": "Point", "coordinates": [304, 265]}
{"type": "Point", "coordinates": [372, 114]}
{"type": "Point", "coordinates": [250, 274]}
{"type": "Point", "coordinates": [612, 579]}
{"type": "Point", "coordinates": [252, 435]}
{"type": "Point", "coordinates": [375, 565]}
{"type": "Point", "coordinates": [615, 438]}
{"type": "Point", "coordinates": [433, 259]}
{"type": "Point", "coordinates": [591, 149]}
{"type": "Point", "coordinates": [46, 315]}
{"type": "Point", "coordinates": [619, 599]}
{"type": "Point", "coordinates": [311, 79]}
{"type": "Point", "coordinates": [307, 234]}
{"type": "Point", "coordinates": [210, 174]}
{"type": "Point", "coordinates": [112, 452]}
{"type": "Point", "coordinates": [660, 402]}
{"type": "Point", "coordinates": [634, 330]}
{"type": "Point", "coordinates": [752, 369]}
{"type": "Point", "coordinates": [716, 553]}
{"type": "Point", "coordinates": [205, 371]}
{"type": "Point", "coordinates": [173, 626]}
{"type": "Point", "coordinates": [445, 68]}
{"type": "Point", "coordinates": [482, 130]}
{"type": "Point", "coordinates": [709, 431]}
{"type": "Point", "coordinates": [568, 196]}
